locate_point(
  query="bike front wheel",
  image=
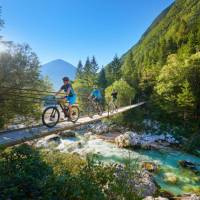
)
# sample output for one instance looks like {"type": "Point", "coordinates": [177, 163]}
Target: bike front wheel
{"type": "Point", "coordinates": [50, 116]}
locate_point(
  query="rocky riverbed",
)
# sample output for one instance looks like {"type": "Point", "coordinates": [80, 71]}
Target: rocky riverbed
{"type": "Point", "coordinates": [159, 162]}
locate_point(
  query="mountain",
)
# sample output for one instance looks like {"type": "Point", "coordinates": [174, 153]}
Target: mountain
{"type": "Point", "coordinates": [163, 67]}
{"type": "Point", "coordinates": [56, 70]}
{"type": "Point", "coordinates": [175, 30]}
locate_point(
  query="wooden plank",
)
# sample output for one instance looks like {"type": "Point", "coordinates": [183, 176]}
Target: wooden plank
{"type": "Point", "coordinates": [20, 136]}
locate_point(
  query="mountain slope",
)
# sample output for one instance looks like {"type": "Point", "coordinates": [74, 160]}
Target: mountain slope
{"type": "Point", "coordinates": [170, 32]}
{"type": "Point", "coordinates": [56, 70]}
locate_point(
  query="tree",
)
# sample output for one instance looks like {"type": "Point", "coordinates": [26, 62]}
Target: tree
{"type": "Point", "coordinates": [89, 72]}
{"type": "Point", "coordinates": [172, 86]}
{"type": "Point", "coordinates": [79, 71]}
{"type": "Point", "coordinates": [129, 71]}
{"type": "Point", "coordinates": [94, 65]}
{"type": "Point", "coordinates": [19, 78]}
{"type": "Point", "coordinates": [125, 92]}
{"type": "Point", "coordinates": [102, 82]}
{"type": "Point", "coordinates": [113, 70]}
{"type": "Point", "coordinates": [193, 77]}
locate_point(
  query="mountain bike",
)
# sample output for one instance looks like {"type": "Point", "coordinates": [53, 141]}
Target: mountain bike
{"type": "Point", "coordinates": [112, 107]}
{"type": "Point", "coordinates": [93, 107]}
{"type": "Point", "coordinates": [51, 114]}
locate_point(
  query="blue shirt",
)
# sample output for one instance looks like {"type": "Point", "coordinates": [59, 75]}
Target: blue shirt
{"type": "Point", "coordinates": [96, 93]}
{"type": "Point", "coordinates": [67, 87]}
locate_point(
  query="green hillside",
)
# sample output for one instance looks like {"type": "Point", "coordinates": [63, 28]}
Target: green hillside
{"type": "Point", "coordinates": [164, 66]}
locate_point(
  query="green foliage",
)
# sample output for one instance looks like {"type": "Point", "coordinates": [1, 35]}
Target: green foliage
{"type": "Point", "coordinates": [164, 67]}
{"type": "Point", "coordinates": [86, 78]}
{"type": "Point", "coordinates": [113, 70]}
{"type": "Point", "coordinates": [30, 173]}
{"type": "Point", "coordinates": [23, 173]}
{"type": "Point", "coordinates": [129, 72]}
{"type": "Point", "coordinates": [19, 69]}
{"type": "Point", "coordinates": [125, 92]}
{"type": "Point", "coordinates": [79, 70]}
{"type": "Point", "coordinates": [101, 81]}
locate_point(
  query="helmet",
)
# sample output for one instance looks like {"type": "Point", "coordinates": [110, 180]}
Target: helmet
{"type": "Point", "coordinates": [65, 78]}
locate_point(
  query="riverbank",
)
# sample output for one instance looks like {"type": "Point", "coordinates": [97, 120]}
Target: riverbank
{"type": "Point", "coordinates": [115, 144]}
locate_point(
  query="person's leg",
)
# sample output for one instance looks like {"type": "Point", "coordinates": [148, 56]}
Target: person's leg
{"type": "Point", "coordinates": [62, 101]}
{"type": "Point", "coordinates": [72, 100]}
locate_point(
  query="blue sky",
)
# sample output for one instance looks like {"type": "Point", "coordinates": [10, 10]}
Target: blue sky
{"type": "Point", "coordinates": [74, 29]}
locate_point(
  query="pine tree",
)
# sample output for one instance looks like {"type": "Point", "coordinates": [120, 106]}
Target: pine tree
{"type": "Point", "coordinates": [94, 65]}
{"type": "Point", "coordinates": [102, 82]}
{"type": "Point", "coordinates": [113, 70]}
{"type": "Point", "coordinates": [89, 74]}
{"type": "Point", "coordinates": [79, 71]}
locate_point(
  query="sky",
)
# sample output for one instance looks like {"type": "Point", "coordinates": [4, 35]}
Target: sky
{"type": "Point", "coordinates": [74, 29]}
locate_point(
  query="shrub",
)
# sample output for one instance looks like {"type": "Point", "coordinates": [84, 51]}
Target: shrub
{"type": "Point", "coordinates": [30, 173]}
{"type": "Point", "coordinates": [125, 92]}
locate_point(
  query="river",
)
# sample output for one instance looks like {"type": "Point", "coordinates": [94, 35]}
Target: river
{"type": "Point", "coordinates": [184, 180]}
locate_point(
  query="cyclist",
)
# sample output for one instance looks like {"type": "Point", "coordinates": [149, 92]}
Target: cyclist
{"type": "Point", "coordinates": [114, 95]}
{"type": "Point", "coordinates": [70, 94]}
{"type": "Point", "coordinates": [96, 94]}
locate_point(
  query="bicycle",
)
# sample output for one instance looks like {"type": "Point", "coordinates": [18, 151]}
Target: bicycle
{"type": "Point", "coordinates": [93, 107]}
{"type": "Point", "coordinates": [51, 114]}
{"type": "Point", "coordinates": [112, 106]}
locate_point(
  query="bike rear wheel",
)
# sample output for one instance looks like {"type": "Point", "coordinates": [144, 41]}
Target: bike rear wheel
{"type": "Point", "coordinates": [75, 113]}
{"type": "Point", "coordinates": [111, 107]}
{"type": "Point", "coordinates": [100, 109]}
{"type": "Point", "coordinates": [50, 116]}
{"type": "Point", "coordinates": [90, 110]}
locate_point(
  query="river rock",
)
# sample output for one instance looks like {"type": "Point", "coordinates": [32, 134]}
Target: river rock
{"type": "Point", "coordinates": [170, 178]}
{"type": "Point", "coordinates": [123, 140]}
{"type": "Point", "coordinates": [67, 133]}
{"type": "Point", "coordinates": [150, 166]}
{"type": "Point", "coordinates": [53, 138]}
{"type": "Point", "coordinates": [188, 165]}
{"type": "Point", "coordinates": [155, 198]}
{"type": "Point", "coordinates": [145, 184]}
{"type": "Point", "coordinates": [146, 141]}
{"type": "Point", "coordinates": [99, 128]}
{"type": "Point", "coordinates": [74, 146]}
{"type": "Point", "coordinates": [189, 197]}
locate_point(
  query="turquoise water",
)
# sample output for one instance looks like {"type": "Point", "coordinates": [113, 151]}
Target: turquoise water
{"type": "Point", "coordinates": [185, 180]}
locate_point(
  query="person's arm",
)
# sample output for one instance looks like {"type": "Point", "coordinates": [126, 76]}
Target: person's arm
{"type": "Point", "coordinates": [59, 91]}
{"type": "Point", "coordinates": [68, 91]}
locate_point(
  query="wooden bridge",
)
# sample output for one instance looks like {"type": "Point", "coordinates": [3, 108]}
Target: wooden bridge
{"type": "Point", "coordinates": [17, 136]}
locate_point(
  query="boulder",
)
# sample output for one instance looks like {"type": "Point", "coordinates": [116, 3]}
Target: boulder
{"type": "Point", "coordinates": [170, 178]}
{"type": "Point", "coordinates": [145, 184]}
{"type": "Point", "coordinates": [123, 140]}
{"type": "Point", "coordinates": [166, 194]}
{"type": "Point", "coordinates": [188, 197]}
{"type": "Point", "coordinates": [141, 182]}
{"type": "Point", "coordinates": [144, 141]}
{"type": "Point", "coordinates": [189, 165]}
{"type": "Point", "coordinates": [150, 166]}
{"type": "Point", "coordinates": [53, 138]}
{"type": "Point", "coordinates": [155, 198]}
{"type": "Point", "coordinates": [68, 133]}
{"type": "Point", "coordinates": [99, 128]}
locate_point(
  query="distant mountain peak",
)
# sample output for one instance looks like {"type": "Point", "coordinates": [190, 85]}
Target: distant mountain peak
{"type": "Point", "coordinates": [56, 70]}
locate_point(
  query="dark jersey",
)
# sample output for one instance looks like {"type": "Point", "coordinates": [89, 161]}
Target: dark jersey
{"type": "Point", "coordinates": [114, 95]}
{"type": "Point", "coordinates": [68, 87]}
